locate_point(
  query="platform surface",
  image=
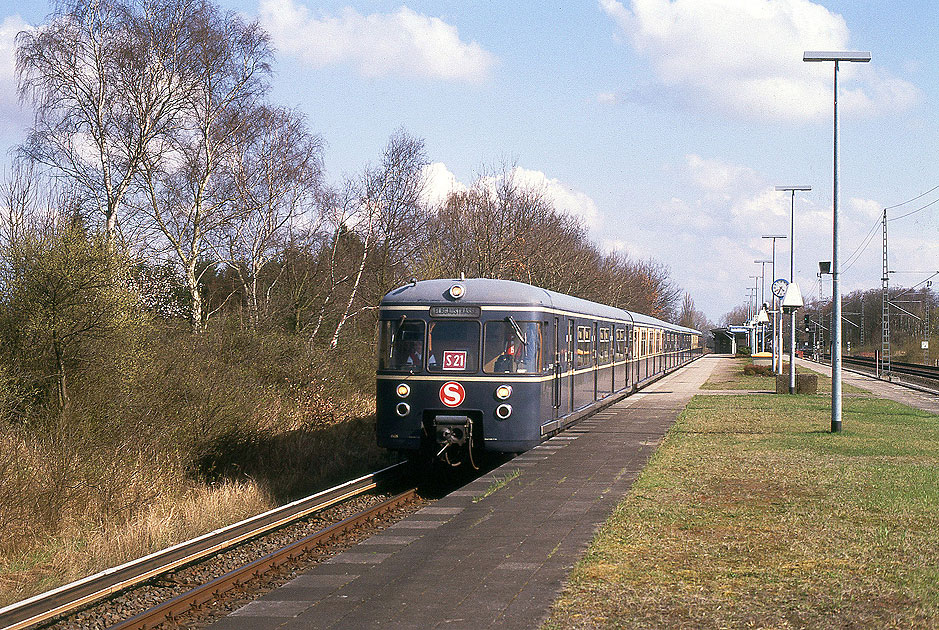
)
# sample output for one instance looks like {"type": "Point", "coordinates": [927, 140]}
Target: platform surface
{"type": "Point", "coordinates": [471, 562]}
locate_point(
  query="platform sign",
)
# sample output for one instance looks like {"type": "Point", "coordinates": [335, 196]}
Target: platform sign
{"type": "Point", "coordinates": [925, 345]}
{"type": "Point", "coordinates": [454, 360]}
{"type": "Point", "coordinates": [452, 394]}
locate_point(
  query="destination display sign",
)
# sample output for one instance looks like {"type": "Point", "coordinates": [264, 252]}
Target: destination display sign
{"type": "Point", "coordinates": [454, 311]}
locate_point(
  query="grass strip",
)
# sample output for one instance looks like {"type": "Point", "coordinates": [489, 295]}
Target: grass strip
{"type": "Point", "coordinates": [750, 514]}
{"type": "Point", "coordinates": [733, 378]}
{"type": "Point", "coordinates": [497, 484]}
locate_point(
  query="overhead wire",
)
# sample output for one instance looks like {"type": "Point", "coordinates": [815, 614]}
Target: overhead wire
{"type": "Point", "coordinates": [866, 241]}
{"type": "Point", "coordinates": [913, 199]}
{"type": "Point", "coordinates": [914, 211]}
{"type": "Point", "coordinates": [856, 254]}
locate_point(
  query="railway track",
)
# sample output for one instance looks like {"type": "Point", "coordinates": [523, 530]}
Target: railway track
{"type": "Point", "coordinates": [71, 597]}
{"type": "Point", "coordinates": [917, 374]}
{"type": "Point", "coordinates": [210, 592]}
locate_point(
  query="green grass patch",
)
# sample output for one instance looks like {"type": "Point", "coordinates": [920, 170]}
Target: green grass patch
{"type": "Point", "coordinates": [497, 484]}
{"type": "Point", "coordinates": [751, 514]}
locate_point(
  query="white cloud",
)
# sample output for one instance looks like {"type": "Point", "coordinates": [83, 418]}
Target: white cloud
{"type": "Point", "coordinates": [607, 98]}
{"type": "Point", "coordinates": [745, 56]}
{"type": "Point", "coordinates": [380, 44]}
{"type": "Point", "coordinates": [867, 208]}
{"type": "Point", "coordinates": [565, 199]}
{"type": "Point", "coordinates": [717, 176]}
{"type": "Point", "coordinates": [439, 183]}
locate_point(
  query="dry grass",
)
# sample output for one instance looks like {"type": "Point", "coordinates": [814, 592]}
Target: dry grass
{"type": "Point", "coordinates": [752, 515]}
{"type": "Point", "coordinates": [80, 549]}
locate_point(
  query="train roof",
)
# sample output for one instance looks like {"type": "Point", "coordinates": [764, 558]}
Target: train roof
{"type": "Point", "coordinates": [511, 293]}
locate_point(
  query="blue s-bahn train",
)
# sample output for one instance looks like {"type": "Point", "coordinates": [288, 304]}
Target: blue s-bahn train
{"type": "Point", "coordinates": [497, 365]}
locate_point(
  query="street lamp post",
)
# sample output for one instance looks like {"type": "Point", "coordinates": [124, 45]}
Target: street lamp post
{"type": "Point", "coordinates": [762, 264]}
{"type": "Point", "coordinates": [836, 56]}
{"type": "Point", "coordinates": [777, 333]}
{"type": "Point", "coordinates": [790, 304]}
{"type": "Point", "coordinates": [792, 279]}
{"type": "Point", "coordinates": [756, 308]}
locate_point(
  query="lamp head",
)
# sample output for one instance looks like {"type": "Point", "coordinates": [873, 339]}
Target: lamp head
{"type": "Point", "coordinates": [792, 301]}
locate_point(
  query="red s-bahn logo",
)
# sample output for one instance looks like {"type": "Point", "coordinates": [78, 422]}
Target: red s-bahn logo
{"type": "Point", "coordinates": [452, 394]}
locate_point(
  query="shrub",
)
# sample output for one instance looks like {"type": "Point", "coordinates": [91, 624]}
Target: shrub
{"type": "Point", "coordinates": [760, 370]}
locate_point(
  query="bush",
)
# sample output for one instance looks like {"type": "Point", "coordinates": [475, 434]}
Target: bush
{"type": "Point", "coordinates": [760, 370]}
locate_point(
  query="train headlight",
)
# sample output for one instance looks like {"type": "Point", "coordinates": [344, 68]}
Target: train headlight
{"type": "Point", "coordinates": [457, 291]}
{"type": "Point", "coordinates": [403, 390]}
{"type": "Point", "coordinates": [503, 411]}
{"type": "Point", "coordinates": [403, 409]}
{"type": "Point", "coordinates": [503, 392]}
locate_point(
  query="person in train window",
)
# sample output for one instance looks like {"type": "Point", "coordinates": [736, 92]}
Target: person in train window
{"type": "Point", "coordinates": [415, 355]}
{"type": "Point", "coordinates": [506, 361]}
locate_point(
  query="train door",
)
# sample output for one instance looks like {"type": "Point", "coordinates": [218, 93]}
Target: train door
{"type": "Point", "coordinates": [572, 354]}
{"type": "Point", "coordinates": [612, 347]}
{"type": "Point", "coordinates": [596, 360]}
{"type": "Point", "coordinates": [558, 368]}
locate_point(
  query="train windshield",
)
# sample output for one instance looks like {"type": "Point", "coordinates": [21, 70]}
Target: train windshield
{"type": "Point", "coordinates": [512, 346]}
{"type": "Point", "coordinates": [453, 346]}
{"type": "Point", "coordinates": [401, 345]}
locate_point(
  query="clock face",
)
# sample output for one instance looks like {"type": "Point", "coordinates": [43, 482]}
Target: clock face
{"type": "Point", "coordinates": [779, 287]}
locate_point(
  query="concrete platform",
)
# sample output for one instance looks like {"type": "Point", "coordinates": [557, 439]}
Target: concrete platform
{"type": "Point", "coordinates": [472, 562]}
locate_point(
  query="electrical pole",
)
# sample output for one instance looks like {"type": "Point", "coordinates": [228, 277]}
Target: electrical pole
{"type": "Point", "coordinates": [885, 315]}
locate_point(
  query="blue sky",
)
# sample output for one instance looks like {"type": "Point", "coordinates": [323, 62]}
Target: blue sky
{"type": "Point", "coordinates": [665, 124]}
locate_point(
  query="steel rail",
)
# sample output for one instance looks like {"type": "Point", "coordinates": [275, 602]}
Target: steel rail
{"type": "Point", "coordinates": [171, 610]}
{"type": "Point", "coordinates": [70, 597]}
{"type": "Point", "coordinates": [865, 366]}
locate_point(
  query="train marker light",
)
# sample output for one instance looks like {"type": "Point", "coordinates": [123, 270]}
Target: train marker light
{"type": "Point", "coordinates": [403, 409]}
{"type": "Point", "coordinates": [403, 390]}
{"type": "Point", "coordinates": [457, 291]}
{"type": "Point", "coordinates": [503, 411]}
{"type": "Point", "coordinates": [503, 392]}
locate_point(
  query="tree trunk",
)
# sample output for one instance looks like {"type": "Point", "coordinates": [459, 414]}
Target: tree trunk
{"type": "Point", "coordinates": [61, 391]}
{"type": "Point", "coordinates": [195, 296]}
{"type": "Point", "coordinates": [334, 342]}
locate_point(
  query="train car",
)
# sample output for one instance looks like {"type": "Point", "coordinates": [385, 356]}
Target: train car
{"type": "Point", "coordinates": [495, 365]}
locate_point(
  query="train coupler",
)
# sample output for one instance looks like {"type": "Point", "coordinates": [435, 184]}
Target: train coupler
{"type": "Point", "coordinates": [452, 430]}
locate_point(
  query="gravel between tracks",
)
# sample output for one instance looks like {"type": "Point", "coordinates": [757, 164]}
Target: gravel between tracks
{"type": "Point", "coordinates": [158, 590]}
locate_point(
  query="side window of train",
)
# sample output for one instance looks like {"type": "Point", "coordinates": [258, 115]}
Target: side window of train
{"type": "Point", "coordinates": [453, 346]}
{"type": "Point", "coordinates": [584, 346]}
{"type": "Point", "coordinates": [604, 350]}
{"type": "Point", "coordinates": [513, 346]}
{"type": "Point", "coordinates": [619, 348]}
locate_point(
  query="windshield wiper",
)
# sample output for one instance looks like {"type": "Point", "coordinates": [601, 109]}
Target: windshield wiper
{"type": "Point", "coordinates": [518, 331]}
{"type": "Point", "coordinates": [394, 333]}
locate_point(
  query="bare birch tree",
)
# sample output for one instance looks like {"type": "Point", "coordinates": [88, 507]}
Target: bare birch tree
{"type": "Point", "coordinates": [100, 93]}
{"type": "Point", "coordinates": [390, 218]}
{"type": "Point", "coordinates": [276, 172]}
{"type": "Point", "coordinates": [187, 189]}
